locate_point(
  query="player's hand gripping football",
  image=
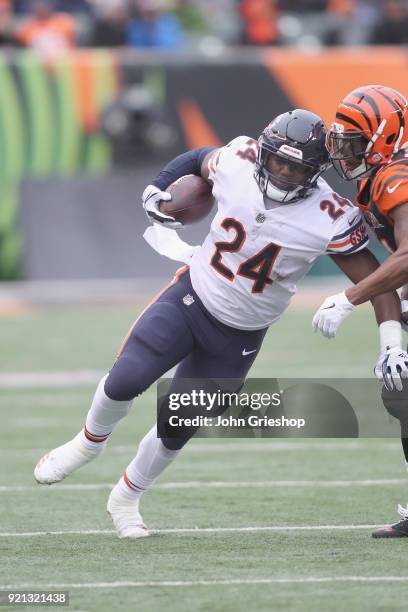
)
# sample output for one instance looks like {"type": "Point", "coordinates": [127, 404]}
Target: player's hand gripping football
{"type": "Point", "coordinates": [331, 314]}
{"type": "Point", "coordinates": [392, 367]}
{"type": "Point", "coordinates": [151, 198]}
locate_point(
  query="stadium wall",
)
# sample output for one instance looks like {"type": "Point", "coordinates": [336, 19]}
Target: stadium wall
{"type": "Point", "coordinates": [50, 126]}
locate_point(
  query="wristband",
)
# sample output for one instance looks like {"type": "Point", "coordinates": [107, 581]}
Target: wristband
{"type": "Point", "coordinates": [390, 335]}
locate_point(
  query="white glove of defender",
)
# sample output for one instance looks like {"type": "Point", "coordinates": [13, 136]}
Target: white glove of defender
{"type": "Point", "coordinates": [334, 310]}
{"type": "Point", "coordinates": [150, 200]}
{"type": "Point", "coordinates": [392, 367]}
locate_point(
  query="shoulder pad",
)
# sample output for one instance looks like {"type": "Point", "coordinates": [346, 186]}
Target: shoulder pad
{"type": "Point", "coordinates": [390, 186]}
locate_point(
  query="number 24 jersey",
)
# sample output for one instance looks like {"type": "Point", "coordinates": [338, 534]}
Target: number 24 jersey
{"type": "Point", "coordinates": [253, 257]}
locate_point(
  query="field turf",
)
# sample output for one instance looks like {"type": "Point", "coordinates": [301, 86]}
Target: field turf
{"type": "Point", "coordinates": [219, 493]}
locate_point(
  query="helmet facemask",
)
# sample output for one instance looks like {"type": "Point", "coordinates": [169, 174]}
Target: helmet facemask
{"type": "Point", "coordinates": [291, 156]}
{"type": "Point", "coordinates": [350, 154]}
{"type": "Point", "coordinates": [288, 184]}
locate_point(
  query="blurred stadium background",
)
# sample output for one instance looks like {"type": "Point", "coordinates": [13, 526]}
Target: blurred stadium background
{"type": "Point", "coordinates": [95, 96]}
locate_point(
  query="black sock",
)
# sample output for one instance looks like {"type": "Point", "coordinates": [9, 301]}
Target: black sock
{"type": "Point", "coordinates": [404, 442]}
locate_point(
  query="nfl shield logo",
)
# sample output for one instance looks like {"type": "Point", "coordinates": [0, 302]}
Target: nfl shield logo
{"type": "Point", "coordinates": [188, 299]}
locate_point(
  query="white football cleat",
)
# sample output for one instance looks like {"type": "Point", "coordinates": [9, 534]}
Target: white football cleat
{"type": "Point", "coordinates": [126, 516]}
{"type": "Point", "coordinates": [63, 460]}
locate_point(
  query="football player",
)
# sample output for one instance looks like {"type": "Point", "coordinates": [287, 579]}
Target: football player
{"type": "Point", "coordinates": [367, 144]}
{"type": "Point", "coordinates": [275, 216]}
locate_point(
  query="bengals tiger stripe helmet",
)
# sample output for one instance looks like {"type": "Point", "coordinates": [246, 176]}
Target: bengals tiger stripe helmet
{"type": "Point", "coordinates": [368, 130]}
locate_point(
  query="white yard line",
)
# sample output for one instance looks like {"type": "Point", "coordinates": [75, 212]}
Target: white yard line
{"type": "Point", "coordinates": [257, 446]}
{"type": "Point", "coordinates": [227, 484]}
{"type": "Point", "coordinates": [30, 534]}
{"type": "Point", "coordinates": [189, 583]}
{"type": "Point", "coordinates": [53, 379]}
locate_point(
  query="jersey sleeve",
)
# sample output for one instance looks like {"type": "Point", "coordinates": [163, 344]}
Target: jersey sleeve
{"type": "Point", "coordinates": [240, 148]}
{"type": "Point", "coordinates": [390, 187]}
{"type": "Point", "coordinates": [350, 234]}
{"type": "Point", "coordinates": [213, 164]}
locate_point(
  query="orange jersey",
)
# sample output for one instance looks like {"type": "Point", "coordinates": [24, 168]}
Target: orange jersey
{"type": "Point", "coordinates": [383, 192]}
{"type": "Point", "coordinates": [48, 35]}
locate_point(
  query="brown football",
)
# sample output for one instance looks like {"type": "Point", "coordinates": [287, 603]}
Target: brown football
{"type": "Point", "coordinates": [191, 199]}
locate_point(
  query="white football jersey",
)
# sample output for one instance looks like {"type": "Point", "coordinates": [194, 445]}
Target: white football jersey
{"type": "Point", "coordinates": [252, 259]}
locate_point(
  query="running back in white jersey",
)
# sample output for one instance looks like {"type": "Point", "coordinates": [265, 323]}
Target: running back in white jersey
{"type": "Point", "coordinates": [252, 259]}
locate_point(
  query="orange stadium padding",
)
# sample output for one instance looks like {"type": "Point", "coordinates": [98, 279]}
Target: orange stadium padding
{"type": "Point", "coordinates": [319, 81]}
{"type": "Point", "coordinates": [197, 130]}
{"type": "Point", "coordinates": [84, 75]}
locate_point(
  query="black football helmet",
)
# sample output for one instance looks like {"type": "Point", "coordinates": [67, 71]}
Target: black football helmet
{"type": "Point", "coordinates": [298, 137]}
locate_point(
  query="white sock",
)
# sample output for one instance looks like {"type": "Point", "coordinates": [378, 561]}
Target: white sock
{"type": "Point", "coordinates": [103, 415]}
{"type": "Point", "coordinates": [151, 460]}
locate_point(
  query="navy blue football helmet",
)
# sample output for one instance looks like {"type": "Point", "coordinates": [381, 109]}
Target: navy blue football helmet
{"type": "Point", "coordinates": [298, 137]}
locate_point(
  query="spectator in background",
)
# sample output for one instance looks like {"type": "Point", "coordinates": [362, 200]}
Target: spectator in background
{"type": "Point", "coordinates": [83, 12]}
{"type": "Point", "coordinates": [350, 22]}
{"type": "Point", "coordinates": [7, 27]}
{"type": "Point", "coordinates": [260, 21]}
{"type": "Point", "coordinates": [191, 17]}
{"type": "Point", "coordinates": [109, 28]}
{"type": "Point", "coordinates": [224, 20]}
{"type": "Point", "coordinates": [153, 27]}
{"type": "Point", "coordinates": [21, 7]}
{"type": "Point", "coordinates": [46, 31]}
{"type": "Point", "coordinates": [392, 28]}
{"type": "Point", "coordinates": [76, 7]}
{"type": "Point", "coordinates": [303, 6]}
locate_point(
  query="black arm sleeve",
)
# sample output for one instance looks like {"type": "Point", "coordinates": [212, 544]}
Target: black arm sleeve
{"type": "Point", "coordinates": [186, 163]}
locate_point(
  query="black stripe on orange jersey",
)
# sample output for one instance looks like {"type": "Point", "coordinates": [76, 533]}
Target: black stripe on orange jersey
{"type": "Point", "coordinates": [362, 95]}
{"type": "Point", "coordinates": [399, 165]}
{"type": "Point", "coordinates": [349, 120]}
{"type": "Point", "coordinates": [376, 187]}
{"type": "Point", "coordinates": [383, 192]}
{"type": "Point", "coordinates": [396, 177]}
{"type": "Point", "coordinates": [383, 182]}
{"type": "Point", "coordinates": [362, 111]}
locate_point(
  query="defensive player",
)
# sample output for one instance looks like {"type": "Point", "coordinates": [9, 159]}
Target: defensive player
{"type": "Point", "coordinates": [367, 144]}
{"type": "Point", "coordinates": [275, 217]}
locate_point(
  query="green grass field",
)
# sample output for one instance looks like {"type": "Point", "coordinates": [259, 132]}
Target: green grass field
{"type": "Point", "coordinates": [209, 551]}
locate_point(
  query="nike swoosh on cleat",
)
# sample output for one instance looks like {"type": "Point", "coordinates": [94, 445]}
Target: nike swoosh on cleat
{"type": "Point", "coordinates": [332, 306]}
{"type": "Point", "coordinates": [245, 352]}
{"type": "Point", "coordinates": [392, 189]}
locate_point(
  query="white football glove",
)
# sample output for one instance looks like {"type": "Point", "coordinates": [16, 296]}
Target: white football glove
{"type": "Point", "coordinates": [331, 314]}
{"type": "Point", "coordinates": [404, 315]}
{"type": "Point", "coordinates": [150, 200]}
{"type": "Point", "coordinates": [392, 367]}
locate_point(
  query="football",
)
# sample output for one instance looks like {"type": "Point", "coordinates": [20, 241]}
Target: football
{"type": "Point", "coordinates": [191, 199]}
